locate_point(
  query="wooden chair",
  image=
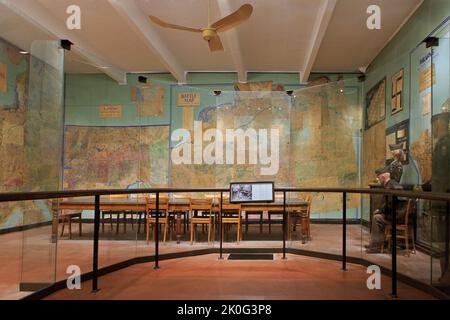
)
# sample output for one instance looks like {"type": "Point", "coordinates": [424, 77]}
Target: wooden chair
{"type": "Point", "coordinates": [304, 215]}
{"type": "Point", "coordinates": [112, 213]}
{"type": "Point", "coordinates": [163, 211]}
{"type": "Point", "coordinates": [404, 229]}
{"type": "Point", "coordinates": [205, 207]}
{"type": "Point", "coordinates": [231, 214]}
{"type": "Point", "coordinates": [66, 217]}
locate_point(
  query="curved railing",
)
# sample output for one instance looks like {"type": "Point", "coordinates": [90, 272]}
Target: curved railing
{"type": "Point", "coordinates": [392, 196]}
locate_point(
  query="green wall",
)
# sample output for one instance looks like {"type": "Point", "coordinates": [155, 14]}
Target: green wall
{"type": "Point", "coordinates": [400, 53]}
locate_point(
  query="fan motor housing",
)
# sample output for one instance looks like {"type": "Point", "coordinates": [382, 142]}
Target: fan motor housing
{"type": "Point", "coordinates": [208, 33]}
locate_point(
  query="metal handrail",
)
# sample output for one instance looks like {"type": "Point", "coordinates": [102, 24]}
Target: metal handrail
{"type": "Point", "coordinates": [392, 196]}
{"type": "Point", "coordinates": [23, 196]}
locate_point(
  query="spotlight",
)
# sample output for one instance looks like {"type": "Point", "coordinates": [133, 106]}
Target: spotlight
{"type": "Point", "coordinates": [362, 78]}
{"type": "Point", "coordinates": [66, 44]}
{"type": "Point", "coordinates": [142, 79]}
{"type": "Point", "coordinates": [289, 92]}
{"type": "Point", "coordinates": [431, 42]}
{"type": "Point", "coordinates": [217, 92]}
{"type": "Point", "coordinates": [23, 52]}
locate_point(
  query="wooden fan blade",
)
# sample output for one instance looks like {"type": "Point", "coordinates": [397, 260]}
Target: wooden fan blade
{"type": "Point", "coordinates": [234, 19]}
{"type": "Point", "coordinates": [215, 44]}
{"type": "Point", "coordinates": [172, 26]}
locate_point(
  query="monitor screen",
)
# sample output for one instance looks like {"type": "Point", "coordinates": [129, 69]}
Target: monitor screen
{"type": "Point", "coordinates": [251, 192]}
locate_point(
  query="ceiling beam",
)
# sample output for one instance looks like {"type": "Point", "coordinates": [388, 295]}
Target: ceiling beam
{"type": "Point", "coordinates": [232, 42]}
{"type": "Point", "coordinates": [318, 33]}
{"type": "Point", "coordinates": [140, 23]}
{"type": "Point", "coordinates": [36, 14]}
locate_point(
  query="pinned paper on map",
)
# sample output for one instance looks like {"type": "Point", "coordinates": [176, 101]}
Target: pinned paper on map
{"type": "Point", "coordinates": [426, 104]}
{"type": "Point", "coordinates": [3, 77]}
{"type": "Point", "coordinates": [425, 78]}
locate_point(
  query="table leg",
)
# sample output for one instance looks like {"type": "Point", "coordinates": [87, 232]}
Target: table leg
{"type": "Point", "coordinates": [178, 227]}
{"type": "Point", "coordinates": [304, 229]}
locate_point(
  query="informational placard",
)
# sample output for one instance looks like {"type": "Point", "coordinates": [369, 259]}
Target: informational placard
{"type": "Point", "coordinates": [251, 192]}
{"type": "Point", "coordinates": [108, 111]}
{"type": "Point", "coordinates": [188, 99]}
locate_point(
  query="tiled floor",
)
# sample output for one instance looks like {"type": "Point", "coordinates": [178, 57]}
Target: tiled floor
{"type": "Point", "coordinates": [37, 264]}
{"type": "Point", "coordinates": [206, 277]}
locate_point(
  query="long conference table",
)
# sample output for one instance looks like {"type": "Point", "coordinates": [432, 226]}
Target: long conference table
{"type": "Point", "coordinates": [180, 205]}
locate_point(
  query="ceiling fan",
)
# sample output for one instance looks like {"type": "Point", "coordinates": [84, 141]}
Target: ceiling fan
{"type": "Point", "coordinates": [210, 33]}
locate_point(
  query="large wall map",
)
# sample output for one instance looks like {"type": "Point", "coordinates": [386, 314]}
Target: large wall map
{"type": "Point", "coordinates": [115, 157]}
{"type": "Point", "coordinates": [30, 121]}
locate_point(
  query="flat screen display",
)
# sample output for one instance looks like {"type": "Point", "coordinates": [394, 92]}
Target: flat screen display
{"type": "Point", "coordinates": [251, 192]}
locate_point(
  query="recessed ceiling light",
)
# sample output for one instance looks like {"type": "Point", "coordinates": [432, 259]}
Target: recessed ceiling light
{"type": "Point", "coordinates": [23, 52]}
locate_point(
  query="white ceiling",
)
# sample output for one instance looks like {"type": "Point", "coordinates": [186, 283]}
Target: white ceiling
{"type": "Point", "coordinates": [283, 35]}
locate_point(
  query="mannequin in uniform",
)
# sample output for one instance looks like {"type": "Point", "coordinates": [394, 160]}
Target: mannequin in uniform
{"type": "Point", "coordinates": [381, 216]}
{"type": "Point", "coordinates": [396, 167]}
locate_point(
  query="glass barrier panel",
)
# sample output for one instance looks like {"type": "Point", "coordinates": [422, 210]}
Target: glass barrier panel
{"type": "Point", "coordinates": [75, 232]}
{"type": "Point", "coordinates": [43, 142]}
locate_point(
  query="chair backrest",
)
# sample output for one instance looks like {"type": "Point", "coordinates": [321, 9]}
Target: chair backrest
{"type": "Point", "coordinates": [226, 205]}
{"type": "Point", "coordinates": [410, 208]}
{"type": "Point", "coordinates": [203, 204]}
{"type": "Point", "coordinates": [150, 204]}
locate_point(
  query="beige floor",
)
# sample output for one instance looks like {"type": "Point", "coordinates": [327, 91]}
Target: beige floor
{"type": "Point", "coordinates": [37, 263]}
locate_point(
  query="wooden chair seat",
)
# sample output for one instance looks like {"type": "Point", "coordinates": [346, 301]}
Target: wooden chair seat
{"type": "Point", "coordinates": [163, 219]}
{"type": "Point", "coordinates": [301, 217]}
{"type": "Point", "coordinates": [67, 217]}
{"type": "Point", "coordinates": [203, 206]}
{"type": "Point", "coordinates": [404, 230]}
{"type": "Point", "coordinates": [232, 216]}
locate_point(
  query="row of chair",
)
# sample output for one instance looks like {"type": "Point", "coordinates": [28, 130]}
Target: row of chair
{"type": "Point", "coordinates": [201, 213]}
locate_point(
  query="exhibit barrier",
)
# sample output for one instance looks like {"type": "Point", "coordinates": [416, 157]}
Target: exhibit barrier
{"type": "Point", "coordinates": [391, 195]}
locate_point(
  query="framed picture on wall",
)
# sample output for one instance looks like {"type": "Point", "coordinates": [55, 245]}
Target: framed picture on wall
{"type": "Point", "coordinates": [397, 92]}
{"type": "Point", "coordinates": [376, 104]}
{"type": "Point", "coordinates": [398, 134]}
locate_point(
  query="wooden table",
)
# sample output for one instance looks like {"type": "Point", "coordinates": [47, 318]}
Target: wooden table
{"type": "Point", "coordinates": [176, 206]}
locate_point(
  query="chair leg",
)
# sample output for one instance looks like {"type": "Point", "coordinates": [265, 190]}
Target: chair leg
{"type": "Point", "coordinates": [63, 224]}
{"type": "Point", "coordinates": [147, 228]}
{"type": "Point", "coordinates": [209, 232]}
{"type": "Point", "coordinates": [192, 233]}
{"type": "Point", "coordinates": [238, 232]}
{"type": "Point", "coordinates": [80, 226]}
{"type": "Point", "coordinates": [165, 232]}
{"type": "Point", "coordinates": [413, 241]}
{"type": "Point", "coordinates": [407, 241]}
{"type": "Point", "coordinates": [70, 227]}
{"type": "Point", "coordinates": [270, 222]}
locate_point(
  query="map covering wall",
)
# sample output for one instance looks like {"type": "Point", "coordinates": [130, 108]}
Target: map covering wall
{"type": "Point", "coordinates": [30, 131]}
{"type": "Point", "coordinates": [115, 157]}
{"type": "Point", "coordinates": [325, 126]}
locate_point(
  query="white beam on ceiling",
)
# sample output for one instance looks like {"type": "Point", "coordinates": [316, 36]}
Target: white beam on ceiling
{"type": "Point", "coordinates": [232, 42]}
{"type": "Point", "coordinates": [144, 29]}
{"type": "Point", "coordinates": [320, 27]}
{"type": "Point", "coordinates": [36, 14]}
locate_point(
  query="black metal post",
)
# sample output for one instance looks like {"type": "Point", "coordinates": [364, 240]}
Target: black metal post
{"type": "Point", "coordinates": [344, 231]}
{"type": "Point", "coordinates": [220, 226]}
{"type": "Point", "coordinates": [394, 245]}
{"type": "Point", "coordinates": [95, 252]}
{"type": "Point", "coordinates": [284, 224]}
{"type": "Point", "coordinates": [156, 231]}
{"type": "Point", "coordinates": [447, 237]}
